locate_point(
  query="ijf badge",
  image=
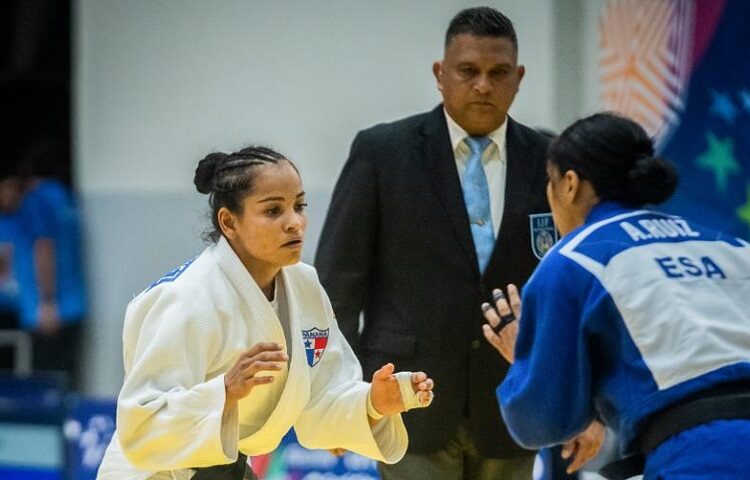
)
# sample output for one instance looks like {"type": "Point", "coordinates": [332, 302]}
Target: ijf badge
{"type": "Point", "coordinates": [315, 341]}
{"type": "Point", "coordinates": [543, 233]}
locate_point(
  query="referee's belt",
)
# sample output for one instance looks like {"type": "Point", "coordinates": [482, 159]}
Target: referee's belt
{"type": "Point", "coordinates": [724, 402]}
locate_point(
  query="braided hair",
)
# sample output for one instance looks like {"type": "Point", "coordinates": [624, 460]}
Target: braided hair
{"type": "Point", "coordinates": [228, 178]}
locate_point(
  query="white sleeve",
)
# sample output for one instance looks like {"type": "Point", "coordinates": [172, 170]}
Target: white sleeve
{"type": "Point", "coordinates": [168, 416]}
{"type": "Point", "coordinates": [336, 415]}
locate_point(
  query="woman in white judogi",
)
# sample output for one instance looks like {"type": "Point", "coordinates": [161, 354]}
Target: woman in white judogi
{"type": "Point", "coordinates": [228, 352]}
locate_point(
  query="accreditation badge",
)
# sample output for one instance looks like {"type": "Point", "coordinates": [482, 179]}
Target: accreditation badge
{"type": "Point", "coordinates": [543, 233]}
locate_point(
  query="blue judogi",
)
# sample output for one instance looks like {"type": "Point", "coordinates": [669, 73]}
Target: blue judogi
{"type": "Point", "coordinates": [628, 314]}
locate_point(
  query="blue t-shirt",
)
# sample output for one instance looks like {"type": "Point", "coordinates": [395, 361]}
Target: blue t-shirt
{"type": "Point", "coordinates": [49, 211]}
{"type": "Point", "coordinates": [16, 264]}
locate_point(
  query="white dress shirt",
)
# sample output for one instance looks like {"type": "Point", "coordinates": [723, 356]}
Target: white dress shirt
{"type": "Point", "coordinates": [493, 161]}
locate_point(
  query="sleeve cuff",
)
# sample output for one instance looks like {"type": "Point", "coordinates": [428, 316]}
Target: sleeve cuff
{"type": "Point", "coordinates": [229, 430]}
{"type": "Point", "coordinates": [390, 437]}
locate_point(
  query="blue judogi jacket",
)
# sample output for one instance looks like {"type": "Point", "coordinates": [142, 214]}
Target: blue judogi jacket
{"type": "Point", "coordinates": [628, 314]}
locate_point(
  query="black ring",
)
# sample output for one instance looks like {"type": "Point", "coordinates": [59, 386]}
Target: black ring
{"type": "Point", "coordinates": [504, 321]}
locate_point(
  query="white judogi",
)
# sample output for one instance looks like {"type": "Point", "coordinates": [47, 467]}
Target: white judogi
{"type": "Point", "coordinates": [186, 331]}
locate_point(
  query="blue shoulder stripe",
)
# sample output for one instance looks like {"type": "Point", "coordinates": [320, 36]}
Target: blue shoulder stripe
{"type": "Point", "coordinates": [172, 275]}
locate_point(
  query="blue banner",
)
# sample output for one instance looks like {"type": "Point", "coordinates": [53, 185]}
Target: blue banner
{"type": "Point", "coordinates": [711, 145]}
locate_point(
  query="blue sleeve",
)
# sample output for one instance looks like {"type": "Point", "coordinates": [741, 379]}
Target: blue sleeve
{"type": "Point", "coordinates": [546, 396]}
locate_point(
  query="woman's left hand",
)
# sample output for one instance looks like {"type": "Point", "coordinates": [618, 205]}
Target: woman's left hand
{"type": "Point", "coordinates": [506, 317]}
{"type": "Point", "coordinates": [584, 446]}
{"type": "Point", "coordinates": [385, 393]}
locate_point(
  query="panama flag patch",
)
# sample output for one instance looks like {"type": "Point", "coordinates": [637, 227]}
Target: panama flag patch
{"type": "Point", "coordinates": [315, 341]}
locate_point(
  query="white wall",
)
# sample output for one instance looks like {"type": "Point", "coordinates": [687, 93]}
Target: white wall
{"type": "Point", "coordinates": [161, 83]}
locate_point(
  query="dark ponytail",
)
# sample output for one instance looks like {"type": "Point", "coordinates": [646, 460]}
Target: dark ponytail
{"type": "Point", "coordinates": [652, 180]}
{"type": "Point", "coordinates": [616, 155]}
{"type": "Point", "coordinates": [228, 179]}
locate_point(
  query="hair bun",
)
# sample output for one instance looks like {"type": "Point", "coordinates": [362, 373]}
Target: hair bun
{"type": "Point", "coordinates": [652, 180]}
{"type": "Point", "coordinates": [206, 171]}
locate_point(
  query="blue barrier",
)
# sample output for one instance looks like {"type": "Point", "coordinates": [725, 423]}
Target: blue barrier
{"type": "Point", "coordinates": [31, 437]}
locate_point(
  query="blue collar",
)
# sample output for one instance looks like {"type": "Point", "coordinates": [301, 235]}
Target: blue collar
{"type": "Point", "coordinates": [604, 210]}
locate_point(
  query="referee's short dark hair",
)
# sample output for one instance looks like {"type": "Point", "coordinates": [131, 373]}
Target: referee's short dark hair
{"type": "Point", "coordinates": [481, 22]}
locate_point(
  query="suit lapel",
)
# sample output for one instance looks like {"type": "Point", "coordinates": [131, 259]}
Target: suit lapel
{"type": "Point", "coordinates": [440, 166]}
{"type": "Point", "coordinates": [519, 177]}
{"type": "Point", "coordinates": [521, 171]}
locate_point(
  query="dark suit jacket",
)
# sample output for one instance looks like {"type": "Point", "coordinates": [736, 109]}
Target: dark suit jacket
{"type": "Point", "coordinates": [397, 246]}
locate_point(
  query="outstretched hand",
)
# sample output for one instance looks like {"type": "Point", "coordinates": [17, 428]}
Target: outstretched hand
{"type": "Point", "coordinates": [385, 392]}
{"type": "Point", "coordinates": [501, 328]}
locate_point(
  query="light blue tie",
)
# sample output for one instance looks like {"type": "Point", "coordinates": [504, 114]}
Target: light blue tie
{"type": "Point", "coordinates": [477, 200]}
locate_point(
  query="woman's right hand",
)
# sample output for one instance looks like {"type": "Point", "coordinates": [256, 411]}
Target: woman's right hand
{"type": "Point", "coordinates": [501, 328]}
{"type": "Point", "coordinates": [243, 376]}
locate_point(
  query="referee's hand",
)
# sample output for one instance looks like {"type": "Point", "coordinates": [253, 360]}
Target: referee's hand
{"type": "Point", "coordinates": [501, 328]}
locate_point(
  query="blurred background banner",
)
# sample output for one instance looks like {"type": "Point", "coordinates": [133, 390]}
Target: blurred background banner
{"type": "Point", "coordinates": [88, 428]}
{"type": "Point", "coordinates": [679, 68]}
{"type": "Point", "coordinates": [32, 411]}
{"type": "Point", "coordinates": [291, 461]}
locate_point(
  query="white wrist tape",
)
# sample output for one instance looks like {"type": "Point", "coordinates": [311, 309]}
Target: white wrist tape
{"type": "Point", "coordinates": [371, 412]}
{"type": "Point", "coordinates": [412, 399]}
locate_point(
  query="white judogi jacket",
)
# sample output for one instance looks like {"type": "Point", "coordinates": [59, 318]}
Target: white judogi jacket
{"type": "Point", "coordinates": [186, 331]}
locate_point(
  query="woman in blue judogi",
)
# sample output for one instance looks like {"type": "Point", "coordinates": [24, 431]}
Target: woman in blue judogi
{"type": "Point", "coordinates": [636, 317]}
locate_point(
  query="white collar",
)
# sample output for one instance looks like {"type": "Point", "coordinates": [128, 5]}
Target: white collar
{"type": "Point", "coordinates": [238, 275]}
{"type": "Point", "coordinates": [458, 134]}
